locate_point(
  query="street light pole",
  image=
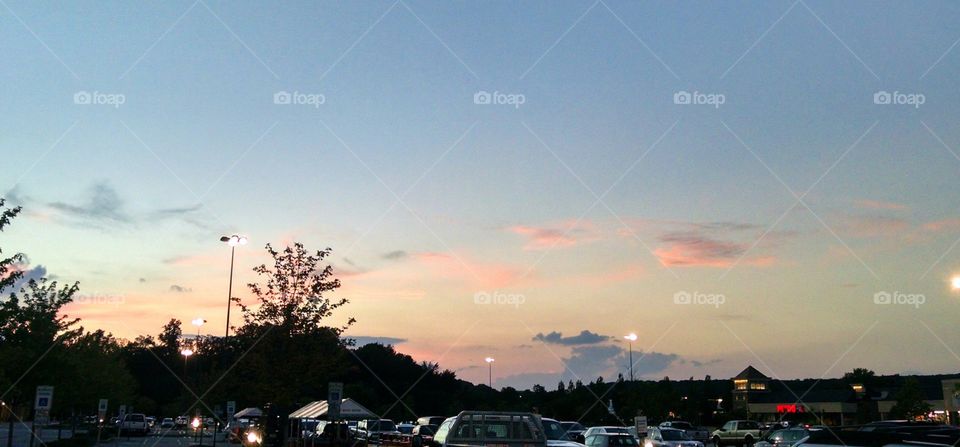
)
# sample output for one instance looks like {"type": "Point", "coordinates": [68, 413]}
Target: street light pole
{"type": "Point", "coordinates": [489, 361]}
{"type": "Point", "coordinates": [631, 337]}
{"type": "Point", "coordinates": [232, 241]}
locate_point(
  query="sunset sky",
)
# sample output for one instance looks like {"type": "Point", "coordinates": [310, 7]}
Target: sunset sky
{"type": "Point", "coordinates": [589, 209]}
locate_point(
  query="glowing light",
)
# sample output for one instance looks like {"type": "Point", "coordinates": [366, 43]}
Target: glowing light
{"type": "Point", "coordinates": [489, 360]}
{"type": "Point", "coordinates": [955, 282]}
{"type": "Point", "coordinates": [198, 321]}
{"type": "Point", "coordinates": [195, 423]}
{"type": "Point", "coordinates": [631, 336]}
{"type": "Point", "coordinates": [187, 352]}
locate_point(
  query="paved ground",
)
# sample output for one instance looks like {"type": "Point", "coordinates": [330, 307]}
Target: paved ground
{"type": "Point", "coordinates": [21, 438]}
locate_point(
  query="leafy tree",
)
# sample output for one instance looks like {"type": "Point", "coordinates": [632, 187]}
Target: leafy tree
{"type": "Point", "coordinates": [292, 295]}
{"type": "Point", "coordinates": [910, 403]}
{"type": "Point", "coordinates": [862, 376]}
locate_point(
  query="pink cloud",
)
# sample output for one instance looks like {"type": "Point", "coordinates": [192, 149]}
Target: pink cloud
{"type": "Point", "coordinates": [881, 205]}
{"type": "Point", "coordinates": [942, 225]}
{"type": "Point", "coordinates": [558, 235]}
{"type": "Point", "coordinates": [693, 249]}
{"type": "Point", "coordinates": [480, 274]}
{"type": "Point", "coordinates": [874, 226]}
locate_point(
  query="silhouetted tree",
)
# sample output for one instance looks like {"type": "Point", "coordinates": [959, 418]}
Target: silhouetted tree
{"type": "Point", "coordinates": [910, 403]}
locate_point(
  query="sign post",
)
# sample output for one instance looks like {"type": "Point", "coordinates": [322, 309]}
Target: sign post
{"type": "Point", "coordinates": [42, 404]}
{"type": "Point", "coordinates": [640, 422]}
{"type": "Point", "coordinates": [334, 397]}
{"type": "Point", "coordinates": [231, 410]}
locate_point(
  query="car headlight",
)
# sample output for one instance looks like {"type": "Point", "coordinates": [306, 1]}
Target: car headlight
{"type": "Point", "coordinates": [253, 437]}
{"type": "Point", "coordinates": [647, 444]}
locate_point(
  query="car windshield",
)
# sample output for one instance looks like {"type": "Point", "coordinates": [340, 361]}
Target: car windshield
{"type": "Point", "coordinates": [681, 425]}
{"type": "Point", "coordinates": [572, 426]}
{"type": "Point", "coordinates": [621, 441]}
{"type": "Point", "coordinates": [674, 435]}
{"type": "Point", "coordinates": [385, 425]}
{"type": "Point", "coordinates": [555, 431]}
{"type": "Point", "coordinates": [405, 429]}
{"type": "Point", "coordinates": [426, 430]}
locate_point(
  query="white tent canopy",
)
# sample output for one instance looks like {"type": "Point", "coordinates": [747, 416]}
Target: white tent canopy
{"type": "Point", "coordinates": [349, 409]}
{"type": "Point", "coordinates": [249, 412]}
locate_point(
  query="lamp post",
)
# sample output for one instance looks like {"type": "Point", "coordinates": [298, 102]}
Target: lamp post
{"type": "Point", "coordinates": [186, 352]}
{"type": "Point", "coordinates": [631, 337]}
{"type": "Point", "coordinates": [489, 361]}
{"type": "Point", "coordinates": [232, 241]}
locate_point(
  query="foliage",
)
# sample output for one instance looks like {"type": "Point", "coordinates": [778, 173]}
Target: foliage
{"type": "Point", "coordinates": [910, 403]}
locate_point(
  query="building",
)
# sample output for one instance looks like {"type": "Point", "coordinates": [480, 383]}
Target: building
{"type": "Point", "coordinates": [838, 401]}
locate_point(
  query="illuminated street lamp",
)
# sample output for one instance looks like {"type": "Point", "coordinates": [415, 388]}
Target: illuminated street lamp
{"type": "Point", "coordinates": [489, 361]}
{"type": "Point", "coordinates": [232, 241]}
{"type": "Point", "coordinates": [955, 282]}
{"type": "Point", "coordinates": [631, 337]}
{"type": "Point", "coordinates": [186, 353]}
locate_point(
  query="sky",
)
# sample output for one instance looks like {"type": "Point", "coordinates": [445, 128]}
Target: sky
{"type": "Point", "coordinates": [767, 183]}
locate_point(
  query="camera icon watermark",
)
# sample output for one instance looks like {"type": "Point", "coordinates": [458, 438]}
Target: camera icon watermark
{"type": "Point", "coordinates": [99, 299]}
{"type": "Point", "coordinates": [496, 297]}
{"type": "Point", "coordinates": [296, 98]}
{"type": "Point", "coordinates": [897, 98]}
{"type": "Point", "coordinates": [684, 98]}
{"type": "Point", "coordinates": [890, 298]}
{"type": "Point", "coordinates": [484, 98]}
{"type": "Point", "coordinates": [710, 299]}
{"type": "Point", "coordinates": [85, 98]}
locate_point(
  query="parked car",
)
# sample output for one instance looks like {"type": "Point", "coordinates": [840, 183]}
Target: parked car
{"type": "Point", "coordinates": [928, 436]}
{"type": "Point", "coordinates": [166, 424]}
{"type": "Point", "coordinates": [786, 437]}
{"type": "Point", "coordinates": [609, 429]}
{"type": "Point", "coordinates": [557, 435]}
{"type": "Point", "coordinates": [575, 430]}
{"type": "Point", "coordinates": [134, 424]}
{"type": "Point", "coordinates": [601, 439]}
{"type": "Point", "coordinates": [739, 432]}
{"type": "Point", "coordinates": [695, 433]}
{"type": "Point", "coordinates": [372, 430]}
{"type": "Point", "coordinates": [405, 429]}
{"type": "Point", "coordinates": [668, 437]}
{"type": "Point", "coordinates": [504, 429]}
{"type": "Point", "coordinates": [422, 435]}
{"type": "Point", "coordinates": [431, 420]}
{"type": "Point", "coordinates": [180, 422]}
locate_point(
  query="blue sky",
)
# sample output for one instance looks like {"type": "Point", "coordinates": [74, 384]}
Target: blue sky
{"type": "Point", "coordinates": [502, 200]}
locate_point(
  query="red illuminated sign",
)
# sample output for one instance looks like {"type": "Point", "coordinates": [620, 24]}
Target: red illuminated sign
{"type": "Point", "coordinates": [789, 408]}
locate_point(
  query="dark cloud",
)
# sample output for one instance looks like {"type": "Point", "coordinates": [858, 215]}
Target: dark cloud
{"type": "Point", "coordinates": [395, 255]}
{"type": "Point", "coordinates": [586, 363]}
{"type": "Point", "coordinates": [180, 289]}
{"type": "Point", "coordinates": [584, 338]}
{"type": "Point", "coordinates": [143, 280]}
{"type": "Point", "coordinates": [366, 340]}
{"type": "Point", "coordinates": [27, 273]}
{"type": "Point", "coordinates": [699, 364]}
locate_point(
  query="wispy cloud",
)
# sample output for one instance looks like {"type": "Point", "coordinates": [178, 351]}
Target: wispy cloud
{"type": "Point", "coordinates": [880, 205]}
{"type": "Point", "coordinates": [395, 255]}
{"type": "Point", "coordinates": [558, 235]}
{"type": "Point", "coordinates": [366, 340]}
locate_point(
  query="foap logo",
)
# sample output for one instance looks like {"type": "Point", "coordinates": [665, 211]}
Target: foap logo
{"type": "Point", "coordinates": [296, 98]}
{"type": "Point", "coordinates": [696, 98]}
{"type": "Point", "coordinates": [99, 299]}
{"type": "Point", "coordinates": [890, 298]}
{"type": "Point", "coordinates": [896, 98]}
{"type": "Point", "coordinates": [85, 98]}
{"type": "Point", "coordinates": [709, 299]}
{"type": "Point", "coordinates": [484, 98]}
{"type": "Point", "coordinates": [497, 297]}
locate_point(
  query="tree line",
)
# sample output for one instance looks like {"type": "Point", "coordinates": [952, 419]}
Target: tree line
{"type": "Point", "coordinates": [283, 353]}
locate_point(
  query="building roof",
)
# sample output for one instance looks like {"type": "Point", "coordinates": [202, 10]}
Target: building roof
{"type": "Point", "coordinates": [751, 373]}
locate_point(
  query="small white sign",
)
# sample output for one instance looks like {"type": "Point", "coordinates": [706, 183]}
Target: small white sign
{"type": "Point", "coordinates": [44, 398]}
{"type": "Point", "coordinates": [334, 397]}
{"type": "Point", "coordinates": [640, 422]}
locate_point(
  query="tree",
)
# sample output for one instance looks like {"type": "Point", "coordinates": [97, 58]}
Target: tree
{"type": "Point", "coordinates": [292, 296]}
{"type": "Point", "coordinates": [910, 403]}
{"type": "Point", "coordinates": [862, 376]}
